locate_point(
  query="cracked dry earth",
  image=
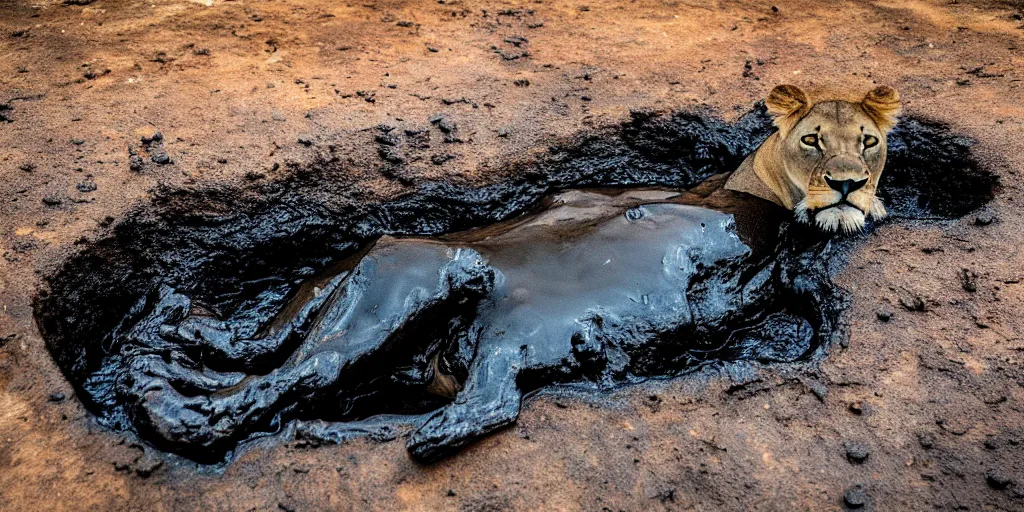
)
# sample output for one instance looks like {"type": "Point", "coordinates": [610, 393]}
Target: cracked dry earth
{"type": "Point", "coordinates": [920, 410]}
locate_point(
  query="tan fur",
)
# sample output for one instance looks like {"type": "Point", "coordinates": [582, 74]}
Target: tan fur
{"type": "Point", "coordinates": [443, 385]}
{"type": "Point", "coordinates": [793, 174]}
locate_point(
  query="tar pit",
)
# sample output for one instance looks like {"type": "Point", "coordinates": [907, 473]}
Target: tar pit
{"type": "Point", "coordinates": [209, 317]}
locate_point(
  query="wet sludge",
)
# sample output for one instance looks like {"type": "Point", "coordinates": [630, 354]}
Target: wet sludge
{"type": "Point", "coordinates": [216, 315]}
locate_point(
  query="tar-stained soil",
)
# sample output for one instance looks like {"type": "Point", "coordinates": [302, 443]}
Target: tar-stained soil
{"type": "Point", "coordinates": [920, 409]}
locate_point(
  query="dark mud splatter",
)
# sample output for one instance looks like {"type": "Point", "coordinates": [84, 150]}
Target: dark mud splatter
{"type": "Point", "coordinates": [242, 251]}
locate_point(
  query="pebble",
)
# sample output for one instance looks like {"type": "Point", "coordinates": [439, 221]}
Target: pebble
{"type": "Point", "coordinates": [984, 219]}
{"type": "Point", "coordinates": [884, 314]}
{"type": "Point", "coordinates": [52, 200]}
{"type": "Point", "coordinates": [968, 280]}
{"type": "Point", "coordinates": [912, 303]}
{"type": "Point", "coordinates": [305, 141]}
{"type": "Point", "coordinates": [86, 186]}
{"type": "Point", "coordinates": [926, 440]}
{"type": "Point", "coordinates": [160, 158]}
{"type": "Point", "coordinates": [154, 137]}
{"type": "Point", "coordinates": [997, 479]}
{"type": "Point", "coordinates": [57, 396]}
{"type": "Point", "coordinates": [856, 496]}
{"type": "Point", "coordinates": [817, 388]}
{"type": "Point", "coordinates": [856, 453]}
{"type": "Point", "coordinates": [135, 163]}
{"type": "Point", "coordinates": [440, 159]}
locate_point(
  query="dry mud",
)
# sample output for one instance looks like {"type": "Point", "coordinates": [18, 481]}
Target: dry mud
{"type": "Point", "coordinates": [920, 408]}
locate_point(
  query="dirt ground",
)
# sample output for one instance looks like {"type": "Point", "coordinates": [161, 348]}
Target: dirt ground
{"type": "Point", "coordinates": [933, 396]}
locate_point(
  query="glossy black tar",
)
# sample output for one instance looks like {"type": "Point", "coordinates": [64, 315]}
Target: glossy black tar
{"type": "Point", "coordinates": [236, 256]}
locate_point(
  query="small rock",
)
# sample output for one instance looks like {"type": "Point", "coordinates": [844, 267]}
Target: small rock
{"type": "Point", "coordinates": [151, 138]}
{"type": "Point", "coordinates": [305, 141]}
{"type": "Point", "coordinates": [450, 493]}
{"type": "Point", "coordinates": [926, 440]}
{"type": "Point", "coordinates": [817, 388]}
{"type": "Point", "coordinates": [135, 163]}
{"type": "Point", "coordinates": [440, 159]}
{"type": "Point", "coordinates": [856, 496]}
{"type": "Point", "coordinates": [52, 200]}
{"type": "Point", "coordinates": [78, 142]}
{"type": "Point", "coordinates": [405, 24]}
{"type": "Point", "coordinates": [997, 479]}
{"type": "Point", "coordinates": [160, 158]}
{"type": "Point", "coordinates": [957, 426]}
{"type": "Point", "coordinates": [522, 82]}
{"type": "Point", "coordinates": [968, 280]}
{"type": "Point", "coordinates": [27, 166]}
{"type": "Point", "coordinates": [856, 453]}
{"type": "Point", "coordinates": [57, 396]}
{"type": "Point", "coordinates": [984, 219]}
{"type": "Point", "coordinates": [147, 465]}
{"type": "Point", "coordinates": [390, 154]}
{"type": "Point", "coordinates": [516, 41]}
{"type": "Point", "coordinates": [884, 314]}
{"type": "Point", "coordinates": [857, 408]}
{"type": "Point", "coordinates": [992, 443]}
{"type": "Point", "coordinates": [912, 303]}
{"type": "Point", "coordinates": [387, 139]}
{"type": "Point", "coordinates": [86, 186]}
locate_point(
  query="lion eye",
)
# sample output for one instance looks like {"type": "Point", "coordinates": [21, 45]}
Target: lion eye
{"type": "Point", "coordinates": [870, 141]}
{"type": "Point", "coordinates": [810, 140]}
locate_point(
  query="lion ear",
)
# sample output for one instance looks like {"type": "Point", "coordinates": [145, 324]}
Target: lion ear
{"type": "Point", "coordinates": [882, 105]}
{"type": "Point", "coordinates": [788, 103]}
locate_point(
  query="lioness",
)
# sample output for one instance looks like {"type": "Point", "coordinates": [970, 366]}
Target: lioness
{"type": "Point", "coordinates": [825, 160]}
{"type": "Point", "coordinates": [599, 288]}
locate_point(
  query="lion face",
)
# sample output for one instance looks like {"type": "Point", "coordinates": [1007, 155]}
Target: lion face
{"type": "Point", "coordinates": [832, 154]}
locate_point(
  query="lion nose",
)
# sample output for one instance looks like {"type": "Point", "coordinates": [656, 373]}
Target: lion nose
{"type": "Point", "coordinates": [845, 187]}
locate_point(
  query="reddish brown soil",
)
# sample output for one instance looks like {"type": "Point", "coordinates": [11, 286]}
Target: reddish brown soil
{"type": "Point", "coordinates": [935, 396]}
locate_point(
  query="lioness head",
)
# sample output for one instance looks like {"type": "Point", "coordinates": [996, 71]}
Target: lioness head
{"type": "Point", "coordinates": [825, 161]}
